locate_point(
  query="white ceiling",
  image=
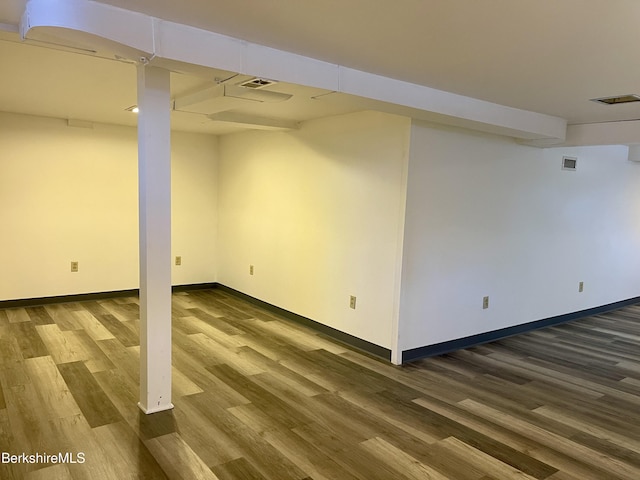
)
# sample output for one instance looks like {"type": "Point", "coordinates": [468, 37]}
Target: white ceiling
{"type": "Point", "coordinates": [546, 56]}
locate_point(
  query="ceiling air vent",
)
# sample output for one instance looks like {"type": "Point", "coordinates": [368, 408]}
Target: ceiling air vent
{"type": "Point", "coordinates": [257, 83]}
{"type": "Point", "coordinates": [569, 163]}
{"type": "Point", "coordinates": [618, 99]}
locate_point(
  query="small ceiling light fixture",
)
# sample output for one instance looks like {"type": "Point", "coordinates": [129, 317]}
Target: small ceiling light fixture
{"type": "Point", "coordinates": [133, 108]}
{"type": "Point", "coordinates": [618, 99]}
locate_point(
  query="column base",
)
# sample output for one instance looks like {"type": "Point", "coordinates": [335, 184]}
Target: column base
{"type": "Point", "coordinates": [159, 408]}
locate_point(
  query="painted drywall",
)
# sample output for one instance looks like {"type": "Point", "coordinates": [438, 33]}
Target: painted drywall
{"type": "Point", "coordinates": [488, 217]}
{"type": "Point", "coordinates": [194, 207]}
{"type": "Point", "coordinates": [318, 212]}
{"type": "Point", "coordinates": [70, 194]}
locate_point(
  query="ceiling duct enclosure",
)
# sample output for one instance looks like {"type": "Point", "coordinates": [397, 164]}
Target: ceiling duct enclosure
{"type": "Point", "coordinates": [254, 121]}
{"type": "Point", "coordinates": [220, 98]}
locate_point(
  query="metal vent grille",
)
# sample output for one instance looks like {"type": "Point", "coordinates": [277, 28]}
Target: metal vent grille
{"type": "Point", "coordinates": [618, 99]}
{"type": "Point", "coordinates": [569, 163]}
{"type": "Point", "coordinates": [257, 83]}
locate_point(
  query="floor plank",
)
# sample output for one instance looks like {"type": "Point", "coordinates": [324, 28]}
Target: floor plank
{"type": "Point", "coordinates": [95, 405]}
{"type": "Point", "coordinates": [258, 397]}
{"type": "Point", "coordinates": [30, 343]}
{"type": "Point", "coordinates": [62, 346]}
{"type": "Point", "coordinates": [127, 452]}
{"type": "Point", "coordinates": [178, 460]}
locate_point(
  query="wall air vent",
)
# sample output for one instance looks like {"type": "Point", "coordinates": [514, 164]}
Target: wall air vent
{"type": "Point", "coordinates": [569, 163]}
{"type": "Point", "coordinates": [617, 100]}
{"type": "Point", "coordinates": [257, 83]}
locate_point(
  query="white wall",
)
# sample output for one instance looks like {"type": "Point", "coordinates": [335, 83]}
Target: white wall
{"type": "Point", "coordinates": [486, 216]}
{"type": "Point", "coordinates": [194, 207]}
{"type": "Point", "coordinates": [70, 194]}
{"type": "Point", "coordinates": [319, 214]}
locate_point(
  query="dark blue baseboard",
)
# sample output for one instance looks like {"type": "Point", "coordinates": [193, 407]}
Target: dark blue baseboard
{"type": "Point", "coordinates": [343, 337]}
{"type": "Point", "coordinates": [194, 286]}
{"type": "Point", "coordinates": [356, 342]}
{"type": "Point", "coordinates": [78, 297]}
{"type": "Point", "coordinates": [82, 297]}
{"type": "Point", "coordinates": [377, 350]}
{"type": "Point", "coordinates": [473, 340]}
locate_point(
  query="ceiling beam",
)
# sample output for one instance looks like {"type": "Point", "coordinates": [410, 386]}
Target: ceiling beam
{"type": "Point", "coordinates": [142, 38]}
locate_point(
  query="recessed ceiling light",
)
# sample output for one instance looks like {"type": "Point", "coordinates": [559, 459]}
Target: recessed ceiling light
{"type": "Point", "coordinates": [133, 108]}
{"type": "Point", "coordinates": [618, 99]}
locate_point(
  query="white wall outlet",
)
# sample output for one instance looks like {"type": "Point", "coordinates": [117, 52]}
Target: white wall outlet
{"type": "Point", "coordinates": [485, 303]}
{"type": "Point", "coordinates": [581, 287]}
{"type": "Point", "coordinates": [352, 302]}
{"type": "Point", "coordinates": [250, 269]}
{"type": "Point", "coordinates": [74, 266]}
{"type": "Point", "coordinates": [178, 260]}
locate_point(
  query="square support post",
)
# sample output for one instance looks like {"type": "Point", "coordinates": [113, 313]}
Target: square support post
{"type": "Point", "coordinates": [154, 191]}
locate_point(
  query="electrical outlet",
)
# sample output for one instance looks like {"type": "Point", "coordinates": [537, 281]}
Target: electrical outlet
{"type": "Point", "coordinates": [250, 269]}
{"type": "Point", "coordinates": [352, 302]}
{"type": "Point", "coordinates": [485, 303]}
{"type": "Point", "coordinates": [581, 287]}
{"type": "Point", "coordinates": [178, 260]}
{"type": "Point", "coordinates": [74, 266]}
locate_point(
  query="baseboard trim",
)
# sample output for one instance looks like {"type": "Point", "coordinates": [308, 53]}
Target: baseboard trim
{"type": "Point", "coordinates": [335, 334]}
{"type": "Point", "coordinates": [83, 297]}
{"type": "Point", "coordinates": [473, 340]}
{"type": "Point", "coordinates": [372, 348]}
{"type": "Point", "coordinates": [78, 297]}
{"type": "Point", "coordinates": [194, 286]}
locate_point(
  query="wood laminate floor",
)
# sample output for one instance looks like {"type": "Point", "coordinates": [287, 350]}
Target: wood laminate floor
{"type": "Point", "coordinates": [257, 397]}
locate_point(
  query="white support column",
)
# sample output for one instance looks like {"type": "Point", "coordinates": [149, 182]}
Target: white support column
{"type": "Point", "coordinates": [154, 191]}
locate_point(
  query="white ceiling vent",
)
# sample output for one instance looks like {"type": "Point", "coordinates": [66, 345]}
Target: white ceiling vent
{"type": "Point", "coordinates": [569, 163]}
{"type": "Point", "coordinates": [618, 99]}
{"type": "Point", "coordinates": [256, 83]}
